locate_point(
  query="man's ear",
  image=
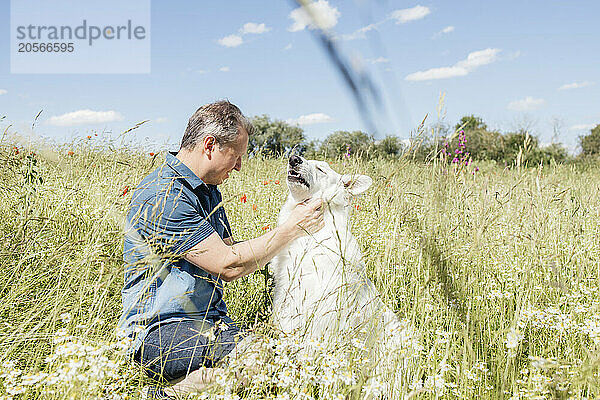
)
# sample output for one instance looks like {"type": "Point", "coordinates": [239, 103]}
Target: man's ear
{"type": "Point", "coordinates": [357, 184]}
{"type": "Point", "coordinates": [209, 144]}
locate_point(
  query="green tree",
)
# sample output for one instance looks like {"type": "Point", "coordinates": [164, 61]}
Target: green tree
{"type": "Point", "coordinates": [470, 123]}
{"type": "Point", "coordinates": [344, 142]}
{"type": "Point", "coordinates": [484, 145]}
{"type": "Point", "coordinates": [520, 147]}
{"type": "Point", "coordinates": [388, 147]}
{"type": "Point", "coordinates": [590, 143]}
{"type": "Point", "coordinates": [274, 138]}
{"type": "Point", "coordinates": [554, 152]}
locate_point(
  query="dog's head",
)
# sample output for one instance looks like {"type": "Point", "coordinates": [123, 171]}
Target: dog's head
{"type": "Point", "coordinates": [310, 178]}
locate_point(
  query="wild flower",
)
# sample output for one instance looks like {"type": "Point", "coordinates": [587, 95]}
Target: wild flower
{"type": "Point", "coordinates": [243, 198]}
{"type": "Point", "coordinates": [125, 190]}
{"type": "Point", "coordinates": [459, 157]}
{"type": "Point", "coordinates": [65, 318]}
{"type": "Point", "coordinates": [373, 388]}
{"type": "Point", "coordinates": [435, 384]}
{"type": "Point", "coordinates": [513, 339]}
{"type": "Point", "coordinates": [70, 152]}
{"type": "Point", "coordinates": [75, 365]}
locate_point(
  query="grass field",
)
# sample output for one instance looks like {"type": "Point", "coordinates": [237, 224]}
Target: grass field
{"type": "Point", "coordinates": [497, 271]}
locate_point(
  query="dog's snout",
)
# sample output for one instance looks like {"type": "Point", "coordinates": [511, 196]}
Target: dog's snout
{"type": "Point", "coordinates": [295, 160]}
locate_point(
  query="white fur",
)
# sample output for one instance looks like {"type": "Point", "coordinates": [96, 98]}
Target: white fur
{"type": "Point", "coordinates": [321, 287]}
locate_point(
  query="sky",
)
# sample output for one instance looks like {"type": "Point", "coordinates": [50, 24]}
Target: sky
{"type": "Point", "coordinates": [515, 64]}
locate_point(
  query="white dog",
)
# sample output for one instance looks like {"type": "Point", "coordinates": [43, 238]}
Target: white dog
{"type": "Point", "coordinates": [321, 287]}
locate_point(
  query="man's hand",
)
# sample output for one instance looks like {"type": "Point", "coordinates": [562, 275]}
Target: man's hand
{"type": "Point", "coordinates": [306, 218]}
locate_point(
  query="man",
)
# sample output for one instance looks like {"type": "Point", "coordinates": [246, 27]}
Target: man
{"type": "Point", "coordinates": [179, 249]}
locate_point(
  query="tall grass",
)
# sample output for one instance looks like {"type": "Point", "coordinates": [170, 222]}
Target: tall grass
{"type": "Point", "coordinates": [497, 270]}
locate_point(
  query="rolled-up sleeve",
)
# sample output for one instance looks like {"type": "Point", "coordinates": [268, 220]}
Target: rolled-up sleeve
{"type": "Point", "coordinates": [171, 222]}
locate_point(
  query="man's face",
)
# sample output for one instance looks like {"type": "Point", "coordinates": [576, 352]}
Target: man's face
{"type": "Point", "coordinates": [228, 158]}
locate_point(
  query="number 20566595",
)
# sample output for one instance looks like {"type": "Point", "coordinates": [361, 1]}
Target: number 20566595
{"type": "Point", "coordinates": [45, 47]}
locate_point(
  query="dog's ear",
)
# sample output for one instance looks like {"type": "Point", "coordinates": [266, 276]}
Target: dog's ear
{"type": "Point", "coordinates": [357, 184]}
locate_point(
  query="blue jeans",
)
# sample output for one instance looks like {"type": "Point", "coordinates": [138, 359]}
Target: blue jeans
{"type": "Point", "coordinates": [172, 350]}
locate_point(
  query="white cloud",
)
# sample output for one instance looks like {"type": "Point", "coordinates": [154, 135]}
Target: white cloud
{"type": "Point", "coordinates": [582, 127]}
{"type": "Point", "coordinates": [514, 55]}
{"type": "Point", "coordinates": [251, 27]}
{"type": "Point", "coordinates": [448, 29]}
{"type": "Point", "coordinates": [320, 14]}
{"type": "Point", "coordinates": [231, 41]}
{"type": "Point", "coordinates": [224, 69]}
{"type": "Point", "coordinates": [410, 14]}
{"type": "Point", "coordinates": [526, 104]}
{"type": "Point", "coordinates": [360, 33]}
{"type": "Point", "coordinates": [161, 120]}
{"type": "Point", "coordinates": [3, 91]}
{"type": "Point", "coordinates": [310, 119]}
{"type": "Point", "coordinates": [379, 60]}
{"type": "Point", "coordinates": [288, 46]}
{"type": "Point", "coordinates": [437, 73]}
{"type": "Point", "coordinates": [84, 117]}
{"type": "Point", "coordinates": [575, 85]}
{"type": "Point", "coordinates": [462, 68]}
{"type": "Point", "coordinates": [478, 58]}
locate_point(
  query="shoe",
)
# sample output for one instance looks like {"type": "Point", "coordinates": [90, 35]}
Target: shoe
{"type": "Point", "coordinates": [155, 393]}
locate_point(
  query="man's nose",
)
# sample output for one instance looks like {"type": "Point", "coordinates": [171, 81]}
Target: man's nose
{"type": "Point", "coordinates": [295, 160]}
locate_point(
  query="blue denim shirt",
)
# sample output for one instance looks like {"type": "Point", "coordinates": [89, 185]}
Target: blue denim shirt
{"type": "Point", "coordinates": [171, 211]}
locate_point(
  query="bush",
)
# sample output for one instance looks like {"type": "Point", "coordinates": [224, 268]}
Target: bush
{"type": "Point", "coordinates": [590, 144]}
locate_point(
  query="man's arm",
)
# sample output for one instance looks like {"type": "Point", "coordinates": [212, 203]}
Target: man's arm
{"type": "Point", "coordinates": [240, 259]}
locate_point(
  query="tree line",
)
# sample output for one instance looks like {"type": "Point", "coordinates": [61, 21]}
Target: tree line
{"type": "Point", "coordinates": [274, 138]}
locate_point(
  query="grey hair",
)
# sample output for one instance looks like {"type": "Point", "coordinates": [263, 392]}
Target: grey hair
{"type": "Point", "coordinates": [221, 120]}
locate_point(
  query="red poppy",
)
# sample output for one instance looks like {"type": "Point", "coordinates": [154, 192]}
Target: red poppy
{"type": "Point", "coordinates": [265, 182]}
{"type": "Point", "coordinates": [95, 134]}
{"type": "Point", "coordinates": [254, 207]}
{"type": "Point", "coordinates": [89, 137]}
{"type": "Point", "coordinates": [243, 198]}
{"type": "Point", "coordinates": [276, 181]}
{"type": "Point", "coordinates": [357, 207]}
{"type": "Point", "coordinates": [151, 154]}
{"type": "Point", "coordinates": [16, 149]}
{"type": "Point", "coordinates": [264, 228]}
{"type": "Point", "coordinates": [70, 152]}
{"type": "Point", "coordinates": [125, 190]}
